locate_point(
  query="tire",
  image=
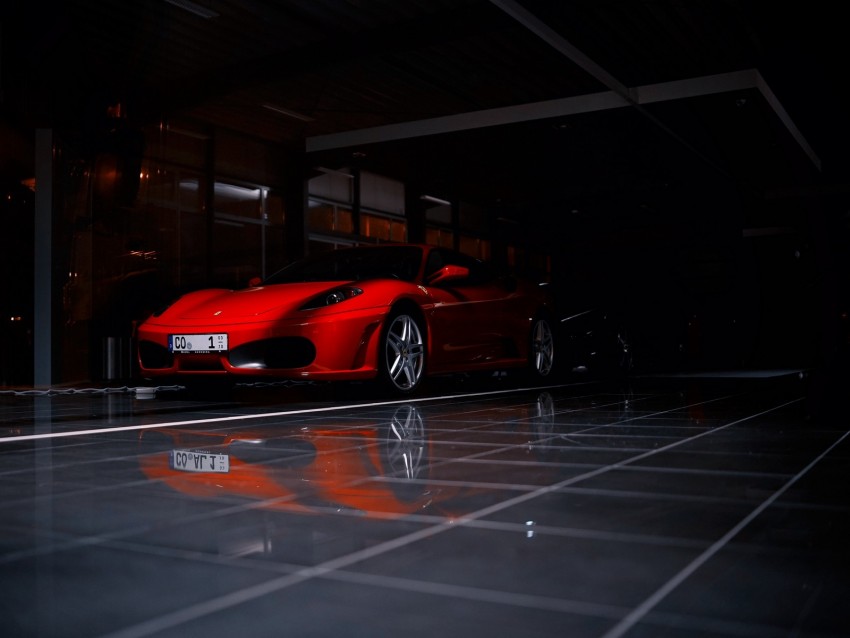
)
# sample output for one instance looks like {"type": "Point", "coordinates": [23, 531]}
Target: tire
{"type": "Point", "coordinates": [401, 358]}
{"type": "Point", "coordinates": [541, 357]}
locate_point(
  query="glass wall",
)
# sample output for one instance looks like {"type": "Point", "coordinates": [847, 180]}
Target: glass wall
{"type": "Point", "coordinates": [137, 231]}
{"type": "Point", "coordinates": [247, 233]}
{"type": "Point", "coordinates": [17, 211]}
{"type": "Point", "coordinates": [346, 207]}
{"type": "Point", "coordinates": [143, 216]}
{"type": "Point", "coordinates": [167, 226]}
{"type": "Point", "coordinates": [467, 231]}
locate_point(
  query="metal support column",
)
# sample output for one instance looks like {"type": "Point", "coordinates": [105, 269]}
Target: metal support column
{"type": "Point", "coordinates": [43, 279]}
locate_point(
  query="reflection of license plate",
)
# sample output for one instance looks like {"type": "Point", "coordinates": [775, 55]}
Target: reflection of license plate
{"type": "Point", "coordinates": [189, 461]}
{"type": "Point", "coordinates": [197, 343]}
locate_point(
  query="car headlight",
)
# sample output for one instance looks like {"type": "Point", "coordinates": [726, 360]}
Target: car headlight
{"type": "Point", "coordinates": [332, 297]}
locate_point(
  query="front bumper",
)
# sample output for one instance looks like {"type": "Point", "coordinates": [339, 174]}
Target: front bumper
{"type": "Point", "coordinates": [331, 347]}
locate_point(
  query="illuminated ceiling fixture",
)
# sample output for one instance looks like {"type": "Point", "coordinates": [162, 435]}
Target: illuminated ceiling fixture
{"type": "Point", "coordinates": [435, 200]}
{"type": "Point", "coordinates": [287, 112]}
{"type": "Point", "coordinates": [194, 7]}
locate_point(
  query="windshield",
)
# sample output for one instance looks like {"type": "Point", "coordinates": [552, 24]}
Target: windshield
{"type": "Point", "coordinates": [354, 264]}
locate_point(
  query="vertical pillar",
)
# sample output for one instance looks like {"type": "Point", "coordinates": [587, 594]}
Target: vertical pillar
{"type": "Point", "coordinates": [209, 208]}
{"type": "Point", "coordinates": [415, 213]}
{"type": "Point", "coordinates": [295, 210]}
{"type": "Point", "coordinates": [355, 199]}
{"type": "Point", "coordinates": [43, 266]}
{"type": "Point", "coordinates": [455, 223]}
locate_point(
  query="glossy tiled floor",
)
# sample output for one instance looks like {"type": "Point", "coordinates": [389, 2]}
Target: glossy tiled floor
{"type": "Point", "coordinates": [664, 507]}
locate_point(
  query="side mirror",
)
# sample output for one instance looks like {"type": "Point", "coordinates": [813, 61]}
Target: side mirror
{"type": "Point", "coordinates": [448, 274]}
{"type": "Point", "coordinates": [253, 282]}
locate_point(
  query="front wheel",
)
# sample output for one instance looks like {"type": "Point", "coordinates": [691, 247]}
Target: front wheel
{"type": "Point", "coordinates": [542, 352]}
{"type": "Point", "coordinates": [402, 355]}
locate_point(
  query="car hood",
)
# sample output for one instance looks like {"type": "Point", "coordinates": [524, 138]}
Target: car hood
{"type": "Point", "coordinates": [227, 305]}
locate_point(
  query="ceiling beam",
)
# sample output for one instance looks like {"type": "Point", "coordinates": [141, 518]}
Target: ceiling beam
{"type": "Point", "coordinates": [619, 95]}
{"type": "Point", "coordinates": [468, 121]}
{"type": "Point", "coordinates": [749, 79]}
{"type": "Point", "coordinates": [560, 44]}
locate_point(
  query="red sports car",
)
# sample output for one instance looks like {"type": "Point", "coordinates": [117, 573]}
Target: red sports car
{"type": "Point", "coordinates": [390, 312]}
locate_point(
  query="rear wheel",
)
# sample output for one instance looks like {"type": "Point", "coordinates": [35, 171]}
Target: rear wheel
{"type": "Point", "coordinates": [542, 352]}
{"type": "Point", "coordinates": [402, 354]}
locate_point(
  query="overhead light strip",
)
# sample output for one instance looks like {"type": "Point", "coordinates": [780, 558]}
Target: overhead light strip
{"type": "Point", "coordinates": [194, 7]}
{"type": "Point", "coordinates": [293, 114]}
{"type": "Point", "coordinates": [435, 200]}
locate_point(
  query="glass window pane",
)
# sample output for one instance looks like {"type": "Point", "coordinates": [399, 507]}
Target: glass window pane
{"type": "Point", "coordinates": [166, 228]}
{"type": "Point", "coordinates": [243, 201]}
{"type": "Point", "coordinates": [320, 217]}
{"type": "Point", "coordinates": [398, 231]}
{"type": "Point", "coordinates": [335, 186]}
{"type": "Point", "coordinates": [344, 221]}
{"type": "Point", "coordinates": [441, 214]}
{"type": "Point", "coordinates": [275, 212]}
{"type": "Point", "coordinates": [374, 226]}
{"type": "Point", "coordinates": [237, 253]}
{"type": "Point", "coordinates": [439, 237]}
{"type": "Point", "coordinates": [190, 194]}
{"type": "Point", "coordinates": [176, 144]}
{"type": "Point", "coordinates": [475, 247]}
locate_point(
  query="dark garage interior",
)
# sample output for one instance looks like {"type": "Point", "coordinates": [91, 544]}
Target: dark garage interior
{"type": "Point", "coordinates": [678, 167]}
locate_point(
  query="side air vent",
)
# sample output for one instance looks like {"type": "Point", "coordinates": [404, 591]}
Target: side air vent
{"type": "Point", "coordinates": [154, 356]}
{"type": "Point", "coordinates": [274, 354]}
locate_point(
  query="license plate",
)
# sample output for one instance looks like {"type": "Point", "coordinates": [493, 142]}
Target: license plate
{"type": "Point", "coordinates": [191, 461]}
{"type": "Point", "coordinates": [216, 342]}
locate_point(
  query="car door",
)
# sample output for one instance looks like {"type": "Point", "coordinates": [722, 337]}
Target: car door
{"type": "Point", "coordinates": [473, 319]}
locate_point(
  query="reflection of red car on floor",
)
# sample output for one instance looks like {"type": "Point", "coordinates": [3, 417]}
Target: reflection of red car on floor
{"type": "Point", "coordinates": [312, 470]}
{"type": "Point", "coordinates": [392, 312]}
{"type": "Point", "coordinates": [382, 470]}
